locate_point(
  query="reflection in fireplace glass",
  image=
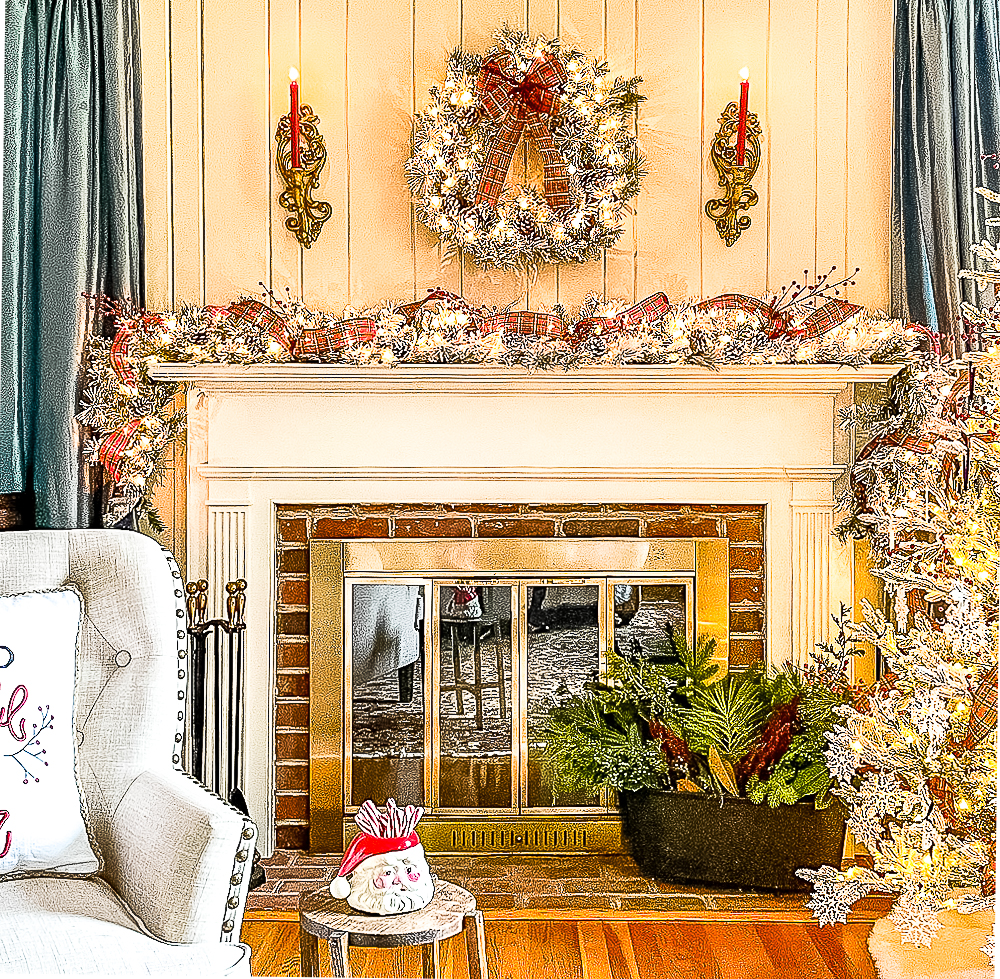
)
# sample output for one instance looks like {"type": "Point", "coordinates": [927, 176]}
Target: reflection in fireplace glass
{"type": "Point", "coordinates": [387, 698]}
{"type": "Point", "coordinates": [650, 620]}
{"type": "Point", "coordinates": [475, 696]}
{"type": "Point", "coordinates": [563, 643]}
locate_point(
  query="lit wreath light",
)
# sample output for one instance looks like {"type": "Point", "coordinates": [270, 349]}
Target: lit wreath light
{"type": "Point", "coordinates": [526, 91]}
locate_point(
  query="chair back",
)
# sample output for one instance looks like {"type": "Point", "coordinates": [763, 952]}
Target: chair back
{"type": "Point", "coordinates": [131, 655]}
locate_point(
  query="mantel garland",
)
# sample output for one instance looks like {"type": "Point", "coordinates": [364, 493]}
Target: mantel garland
{"type": "Point", "coordinates": [526, 90]}
{"type": "Point", "coordinates": [132, 418]}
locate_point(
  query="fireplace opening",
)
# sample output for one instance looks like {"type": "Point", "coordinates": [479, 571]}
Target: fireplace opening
{"type": "Point", "coordinates": [434, 664]}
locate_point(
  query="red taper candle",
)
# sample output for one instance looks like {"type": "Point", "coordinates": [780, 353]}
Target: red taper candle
{"type": "Point", "coordinates": [293, 115]}
{"type": "Point", "coordinates": [741, 132]}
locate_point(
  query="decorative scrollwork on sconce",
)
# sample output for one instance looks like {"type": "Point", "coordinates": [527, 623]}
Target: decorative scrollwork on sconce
{"type": "Point", "coordinates": [308, 215]}
{"type": "Point", "coordinates": [736, 179]}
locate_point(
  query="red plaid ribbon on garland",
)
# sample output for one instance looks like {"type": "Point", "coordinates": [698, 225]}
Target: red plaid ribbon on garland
{"type": "Point", "coordinates": [652, 308]}
{"type": "Point", "coordinates": [251, 313]}
{"type": "Point", "coordinates": [114, 445]}
{"type": "Point", "coordinates": [526, 323]}
{"type": "Point", "coordinates": [521, 107]}
{"type": "Point", "coordinates": [120, 352]}
{"type": "Point", "coordinates": [321, 344]}
{"type": "Point", "coordinates": [831, 314]}
{"type": "Point", "coordinates": [983, 718]}
{"type": "Point", "coordinates": [777, 323]}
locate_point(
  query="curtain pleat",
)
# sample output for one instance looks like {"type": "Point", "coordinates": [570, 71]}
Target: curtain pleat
{"type": "Point", "coordinates": [72, 225]}
{"type": "Point", "coordinates": [947, 115]}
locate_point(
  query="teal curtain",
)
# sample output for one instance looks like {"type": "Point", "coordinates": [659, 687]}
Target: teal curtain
{"type": "Point", "coordinates": [72, 225]}
{"type": "Point", "coordinates": [947, 116]}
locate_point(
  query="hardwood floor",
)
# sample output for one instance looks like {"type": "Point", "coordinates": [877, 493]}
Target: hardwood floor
{"type": "Point", "coordinates": [607, 949]}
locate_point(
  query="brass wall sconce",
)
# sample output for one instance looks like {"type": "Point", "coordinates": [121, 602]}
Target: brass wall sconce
{"type": "Point", "coordinates": [733, 176]}
{"type": "Point", "coordinates": [299, 165]}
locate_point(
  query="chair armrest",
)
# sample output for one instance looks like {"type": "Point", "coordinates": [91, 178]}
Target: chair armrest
{"type": "Point", "coordinates": [180, 858]}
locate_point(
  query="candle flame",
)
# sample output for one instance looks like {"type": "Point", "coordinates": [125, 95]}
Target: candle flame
{"type": "Point", "coordinates": [744, 73]}
{"type": "Point", "coordinates": [293, 74]}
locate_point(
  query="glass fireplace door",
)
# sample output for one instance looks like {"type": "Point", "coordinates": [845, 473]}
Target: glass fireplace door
{"type": "Point", "coordinates": [450, 682]}
{"type": "Point", "coordinates": [475, 724]}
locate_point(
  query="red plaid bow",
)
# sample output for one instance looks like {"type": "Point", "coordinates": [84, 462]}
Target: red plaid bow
{"type": "Point", "coordinates": [521, 106]}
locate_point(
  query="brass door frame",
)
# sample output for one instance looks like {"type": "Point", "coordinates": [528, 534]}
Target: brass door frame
{"type": "Point", "coordinates": [706, 559]}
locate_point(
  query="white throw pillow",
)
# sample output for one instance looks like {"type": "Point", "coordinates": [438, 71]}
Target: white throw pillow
{"type": "Point", "coordinates": [41, 812]}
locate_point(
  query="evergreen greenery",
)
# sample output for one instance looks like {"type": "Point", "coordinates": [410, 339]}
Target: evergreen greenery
{"type": "Point", "coordinates": [676, 725]}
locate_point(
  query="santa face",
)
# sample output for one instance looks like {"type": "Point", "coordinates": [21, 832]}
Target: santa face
{"type": "Point", "coordinates": [392, 883]}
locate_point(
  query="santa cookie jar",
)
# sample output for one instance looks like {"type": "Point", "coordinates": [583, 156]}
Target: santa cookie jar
{"type": "Point", "coordinates": [384, 870]}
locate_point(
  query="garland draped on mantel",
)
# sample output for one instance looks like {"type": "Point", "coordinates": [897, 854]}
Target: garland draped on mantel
{"type": "Point", "coordinates": [133, 417]}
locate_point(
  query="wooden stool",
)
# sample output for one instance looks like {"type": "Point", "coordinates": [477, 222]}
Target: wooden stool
{"type": "Point", "coordinates": [451, 911]}
{"type": "Point", "coordinates": [481, 627]}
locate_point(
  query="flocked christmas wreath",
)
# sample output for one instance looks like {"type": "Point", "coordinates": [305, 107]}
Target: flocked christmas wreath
{"type": "Point", "coordinates": [471, 135]}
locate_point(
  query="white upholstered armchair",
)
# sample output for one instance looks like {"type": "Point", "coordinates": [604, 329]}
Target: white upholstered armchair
{"type": "Point", "coordinates": [170, 895]}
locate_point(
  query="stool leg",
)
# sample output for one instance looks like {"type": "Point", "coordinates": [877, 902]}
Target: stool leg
{"type": "Point", "coordinates": [475, 945]}
{"type": "Point", "coordinates": [478, 663]}
{"type": "Point", "coordinates": [431, 954]}
{"type": "Point", "coordinates": [308, 953]}
{"type": "Point", "coordinates": [339, 964]}
{"type": "Point", "coordinates": [500, 676]}
{"type": "Point", "coordinates": [457, 664]}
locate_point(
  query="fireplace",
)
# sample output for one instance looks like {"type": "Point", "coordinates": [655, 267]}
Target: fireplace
{"type": "Point", "coordinates": [275, 450]}
{"type": "Point", "coordinates": [433, 662]}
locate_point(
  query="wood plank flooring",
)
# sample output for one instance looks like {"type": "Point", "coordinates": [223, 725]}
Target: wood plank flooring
{"type": "Point", "coordinates": [606, 949]}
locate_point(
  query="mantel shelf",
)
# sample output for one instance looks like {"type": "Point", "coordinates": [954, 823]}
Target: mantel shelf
{"type": "Point", "coordinates": [305, 378]}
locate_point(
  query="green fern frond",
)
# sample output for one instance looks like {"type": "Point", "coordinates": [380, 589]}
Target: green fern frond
{"type": "Point", "coordinates": [727, 715]}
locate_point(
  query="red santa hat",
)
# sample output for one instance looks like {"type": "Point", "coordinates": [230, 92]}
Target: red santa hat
{"type": "Point", "coordinates": [381, 833]}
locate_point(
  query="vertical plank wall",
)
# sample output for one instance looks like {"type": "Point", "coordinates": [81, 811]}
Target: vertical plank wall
{"type": "Point", "coordinates": [215, 82]}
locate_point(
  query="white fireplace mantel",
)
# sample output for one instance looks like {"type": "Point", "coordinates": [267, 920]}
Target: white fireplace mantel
{"type": "Point", "coordinates": [273, 434]}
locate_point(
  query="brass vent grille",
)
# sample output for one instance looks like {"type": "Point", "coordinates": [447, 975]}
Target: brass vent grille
{"type": "Point", "coordinates": [516, 836]}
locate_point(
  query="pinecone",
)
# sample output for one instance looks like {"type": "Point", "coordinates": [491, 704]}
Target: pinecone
{"type": "Point", "coordinates": [524, 221]}
{"type": "Point", "coordinates": [772, 743]}
{"type": "Point", "coordinates": [596, 346]}
{"type": "Point", "coordinates": [700, 341]}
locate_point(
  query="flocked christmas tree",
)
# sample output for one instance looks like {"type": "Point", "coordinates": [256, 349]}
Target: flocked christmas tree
{"type": "Point", "coordinates": [914, 757]}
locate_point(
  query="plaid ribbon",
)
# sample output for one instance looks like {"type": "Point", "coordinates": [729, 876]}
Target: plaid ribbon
{"type": "Point", "coordinates": [777, 323]}
{"type": "Point", "coordinates": [120, 353]}
{"type": "Point", "coordinates": [321, 344]}
{"type": "Point", "coordinates": [114, 445]}
{"type": "Point", "coordinates": [521, 108]}
{"type": "Point", "coordinates": [253, 314]}
{"type": "Point", "coordinates": [732, 300]}
{"type": "Point", "coordinates": [983, 718]}
{"type": "Point", "coordinates": [831, 314]}
{"type": "Point", "coordinates": [943, 794]}
{"type": "Point", "coordinates": [652, 308]}
{"type": "Point", "coordinates": [526, 323]}
{"type": "Point", "coordinates": [447, 299]}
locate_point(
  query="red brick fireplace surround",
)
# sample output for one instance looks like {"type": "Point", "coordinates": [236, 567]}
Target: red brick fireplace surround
{"type": "Point", "coordinates": [297, 525]}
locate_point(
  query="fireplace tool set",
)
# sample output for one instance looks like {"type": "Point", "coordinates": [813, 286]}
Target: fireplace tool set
{"type": "Point", "coordinates": [216, 646]}
{"type": "Point", "coordinates": [216, 651]}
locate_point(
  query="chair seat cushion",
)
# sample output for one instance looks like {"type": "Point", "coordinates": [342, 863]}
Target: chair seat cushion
{"type": "Point", "coordinates": [79, 926]}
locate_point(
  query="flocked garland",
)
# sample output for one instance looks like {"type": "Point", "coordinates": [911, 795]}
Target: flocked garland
{"type": "Point", "coordinates": [472, 132]}
{"type": "Point", "coordinates": [132, 418]}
